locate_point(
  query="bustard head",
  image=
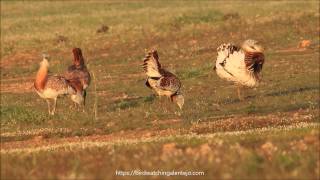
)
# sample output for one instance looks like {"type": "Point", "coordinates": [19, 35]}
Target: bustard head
{"type": "Point", "coordinates": [251, 45]}
{"type": "Point", "coordinates": [179, 99]}
{"type": "Point", "coordinates": [45, 60]}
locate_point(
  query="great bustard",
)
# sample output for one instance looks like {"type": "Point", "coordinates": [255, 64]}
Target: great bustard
{"type": "Point", "coordinates": [79, 77]}
{"type": "Point", "coordinates": [163, 82]}
{"type": "Point", "coordinates": [50, 87]}
{"type": "Point", "coordinates": [241, 65]}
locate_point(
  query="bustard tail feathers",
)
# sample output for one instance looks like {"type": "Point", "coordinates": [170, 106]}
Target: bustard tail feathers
{"type": "Point", "coordinates": [151, 64]}
{"type": "Point", "coordinates": [78, 59]}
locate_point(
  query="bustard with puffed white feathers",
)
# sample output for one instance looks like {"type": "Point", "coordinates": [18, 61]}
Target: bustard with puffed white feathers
{"type": "Point", "coordinates": [241, 65]}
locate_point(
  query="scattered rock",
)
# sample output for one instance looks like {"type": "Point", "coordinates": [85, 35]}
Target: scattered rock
{"type": "Point", "coordinates": [298, 145]}
{"type": "Point", "coordinates": [311, 139]}
{"type": "Point", "coordinates": [205, 149]}
{"type": "Point", "coordinates": [193, 42]}
{"type": "Point", "coordinates": [110, 124]}
{"type": "Point", "coordinates": [296, 114]}
{"type": "Point", "coordinates": [148, 134]}
{"type": "Point", "coordinates": [61, 39]}
{"type": "Point", "coordinates": [190, 151]}
{"type": "Point", "coordinates": [302, 146]}
{"type": "Point", "coordinates": [169, 150]}
{"type": "Point", "coordinates": [304, 43]}
{"type": "Point", "coordinates": [103, 29]}
{"type": "Point", "coordinates": [268, 149]}
{"type": "Point", "coordinates": [231, 16]}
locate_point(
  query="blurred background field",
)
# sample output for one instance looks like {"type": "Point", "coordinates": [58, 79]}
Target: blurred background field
{"type": "Point", "coordinates": [114, 36]}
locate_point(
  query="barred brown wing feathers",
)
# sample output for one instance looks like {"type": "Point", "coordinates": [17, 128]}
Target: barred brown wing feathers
{"type": "Point", "coordinates": [57, 83]}
{"type": "Point", "coordinates": [85, 77]}
{"type": "Point", "coordinates": [71, 73]}
{"type": "Point", "coordinates": [78, 72]}
{"type": "Point", "coordinates": [81, 75]}
{"type": "Point", "coordinates": [76, 84]}
{"type": "Point", "coordinates": [169, 82]}
{"type": "Point", "coordinates": [233, 48]}
{"type": "Point", "coordinates": [229, 48]}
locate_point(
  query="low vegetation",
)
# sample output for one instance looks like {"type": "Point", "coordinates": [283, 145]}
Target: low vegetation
{"type": "Point", "coordinates": [114, 36]}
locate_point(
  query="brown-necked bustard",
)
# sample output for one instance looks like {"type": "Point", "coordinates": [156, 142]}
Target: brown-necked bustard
{"type": "Point", "coordinates": [79, 77]}
{"type": "Point", "coordinates": [50, 87]}
{"type": "Point", "coordinates": [163, 82]}
{"type": "Point", "coordinates": [241, 65]}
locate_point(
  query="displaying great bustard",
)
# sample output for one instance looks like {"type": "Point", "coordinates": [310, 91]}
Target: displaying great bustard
{"type": "Point", "coordinates": [50, 87]}
{"type": "Point", "coordinates": [79, 77]}
{"type": "Point", "coordinates": [241, 65]}
{"type": "Point", "coordinates": [163, 82]}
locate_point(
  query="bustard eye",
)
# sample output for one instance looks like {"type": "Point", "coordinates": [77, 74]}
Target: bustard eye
{"type": "Point", "coordinates": [223, 63]}
{"type": "Point", "coordinates": [253, 47]}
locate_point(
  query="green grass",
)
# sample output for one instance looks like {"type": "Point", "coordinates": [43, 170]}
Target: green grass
{"type": "Point", "coordinates": [186, 34]}
{"type": "Point", "coordinates": [291, 80]}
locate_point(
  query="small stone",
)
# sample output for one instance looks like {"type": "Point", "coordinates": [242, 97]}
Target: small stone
{"type": "Point", "coordinates": [304, 43]}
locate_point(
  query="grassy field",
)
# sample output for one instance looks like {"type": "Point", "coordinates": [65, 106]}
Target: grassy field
{"type": "Point", "coordinates": [273, 133]}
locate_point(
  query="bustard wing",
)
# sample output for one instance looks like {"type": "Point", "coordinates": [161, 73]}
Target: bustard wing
{"type": "Point", "coordinates": [59, 83]}
{"type": "Point", "coordinates": [254, 62]}
{"type": "Point", "coordinates": [169, 82]}
{"type": "Point", "coordinates": [151, 64]}
{"type": "Point", "coordinates": [230, 58]}
{"type": "Point", "coordinates": [78, 74]}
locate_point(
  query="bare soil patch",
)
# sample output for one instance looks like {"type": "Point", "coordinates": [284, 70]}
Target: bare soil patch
{"type": "Point", "coordinates": [22, 58]}
{"type": "Point", "coordinates": [17, 87]}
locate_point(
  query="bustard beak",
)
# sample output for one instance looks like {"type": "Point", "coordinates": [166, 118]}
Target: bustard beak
{"type": "Point", "coordinates": [45, 60]}
{"type": "Point", "coordinates": [179, 99]}
{"type": "Point", "coordinates": [45, 56]}
{"type": "Point", "coordinates": [252, 46]}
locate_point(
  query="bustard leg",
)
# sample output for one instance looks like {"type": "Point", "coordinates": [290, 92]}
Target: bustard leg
{"type": "Point", "coordinates": [54, 106]}
{"type": "Point", "coordinates": [71, 106]}
{"type": "Point", "coordinates": [240, 96]}
{"type": "Point", "coordinates": [175, 104]}
{"type": "Point", "coordinates": [48, 102]}
{"type": "Point", "coordinates": [75, 106]}
{"type": "Point", "coordinates": [84, 97]}
{"type": "Point", "coordinates": [81, 106]}
{"type": "Point", "coordinates": [162, 103]}
{"type": "Point", "coordinates": [84, 101]}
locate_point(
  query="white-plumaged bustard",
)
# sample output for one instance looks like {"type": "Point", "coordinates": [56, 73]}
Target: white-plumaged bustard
{"type": "Point", "coordinates": [241, 65]}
